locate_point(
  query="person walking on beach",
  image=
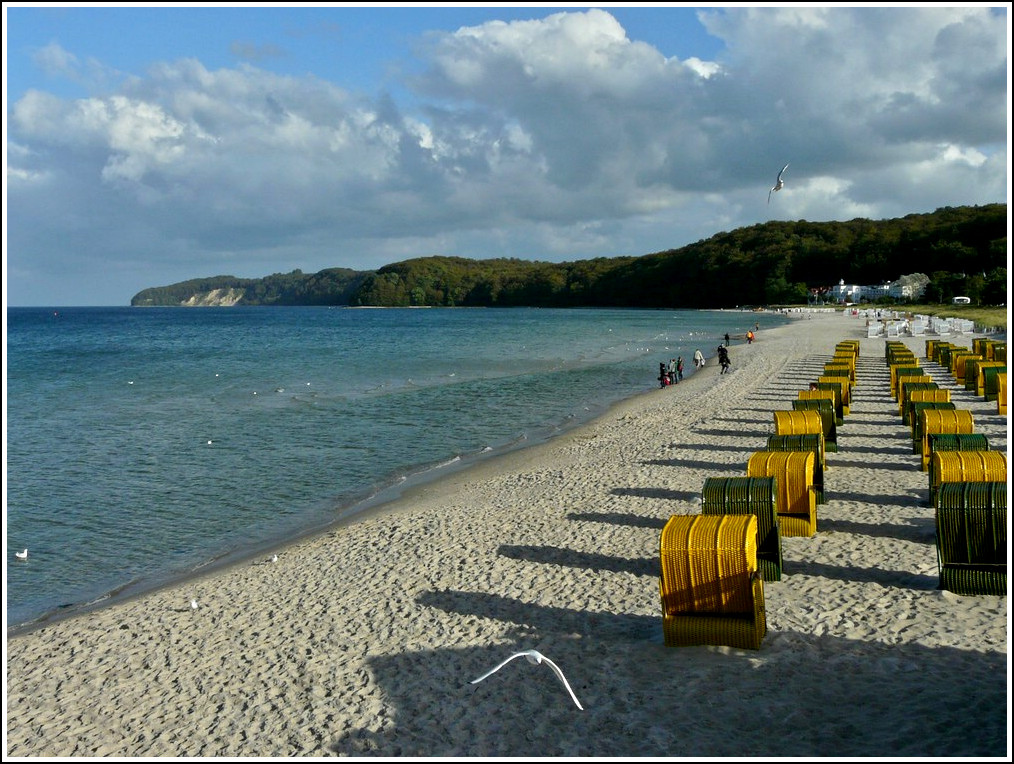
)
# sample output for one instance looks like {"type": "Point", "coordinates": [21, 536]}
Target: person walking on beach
{"type": "Point", "coordinates": [723, 358]}
{"type": "Point", "coordinates": [679, 369]}
{"type": "Point", "coordinates": [698, 358]}
{"type": "Point", "coordinates": [749, 337]}
{"type": "Point", "coordinates": [727, 339]}
{"type": "Point", "coordinates": [663, 375]}
{"type": "Point", "coordinates": [673, 379]}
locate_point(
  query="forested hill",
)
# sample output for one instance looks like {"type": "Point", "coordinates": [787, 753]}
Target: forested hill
{"type": "Point", "coordinates": [962, 250]}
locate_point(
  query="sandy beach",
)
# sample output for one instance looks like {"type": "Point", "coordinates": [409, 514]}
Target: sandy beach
{"type": "Point", "coordinates": [363, 641]}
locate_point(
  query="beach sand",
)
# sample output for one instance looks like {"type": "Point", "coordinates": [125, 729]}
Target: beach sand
{"type": "Point", "coordinates": [363, 641]}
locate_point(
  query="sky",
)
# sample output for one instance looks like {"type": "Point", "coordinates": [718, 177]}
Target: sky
{"type": "Point", "coordinates": [148, 145]}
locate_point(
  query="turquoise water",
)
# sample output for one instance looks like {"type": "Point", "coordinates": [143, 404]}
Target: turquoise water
{"type": "Point", "coordinates": [144, 444]}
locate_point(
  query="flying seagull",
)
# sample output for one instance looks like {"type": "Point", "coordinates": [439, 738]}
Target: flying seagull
{"type": "Point", "coordinates": [534, 656]}
{"type": "Point", "coordinates": [778, 183]}
{"type": "Point", "coordinates": [22, 555]}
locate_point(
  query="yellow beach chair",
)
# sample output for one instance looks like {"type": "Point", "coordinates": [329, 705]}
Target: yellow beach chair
{"type": "Point", "coordinates": [710, 588]}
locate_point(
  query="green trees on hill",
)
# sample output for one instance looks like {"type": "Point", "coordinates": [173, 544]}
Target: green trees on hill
{"type": "Point", "coordinates": [963, 250]}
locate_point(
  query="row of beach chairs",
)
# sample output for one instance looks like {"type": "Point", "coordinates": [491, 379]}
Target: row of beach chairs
{"type": "Point", "coordinates": [967, 480]}
{"type": "Point", "coordinates": [714, 565]}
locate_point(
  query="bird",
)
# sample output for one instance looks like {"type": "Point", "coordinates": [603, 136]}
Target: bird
{"type": "Point", "coordinates": [193, 604]}
{"type": "Point", "coordinates": [534, 657]}
{"type": "Point", "coordinates": [274, 558]}
{"type": "Point", "coordinates": [778, 183]}
{"type": "Point", "coordinates": [23, 555]}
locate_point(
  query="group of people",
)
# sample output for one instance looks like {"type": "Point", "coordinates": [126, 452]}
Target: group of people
{"type": "Point", "coordinates": [672, 374]}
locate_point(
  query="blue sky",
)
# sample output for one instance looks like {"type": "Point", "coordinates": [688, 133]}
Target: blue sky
{"type": "Point", "coordinates": [150, 145]}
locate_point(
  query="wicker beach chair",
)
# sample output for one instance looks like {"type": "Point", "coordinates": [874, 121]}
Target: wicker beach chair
{"type": "Point", "coordinates": [965, 467]}
{"type": "Point", "coordinates": [711, 591]}
{"type": "Point", "coordinates": [951, 442]}
{"type": "Point", "coordinates": [971, 537]}
{"type": "Point", "coordinates": [907, 384]}
{"type": "Point", "coordinates": [829, 395]}
{"type": "Point", "coordinates": [795, 498]}
{"type": "Point", "coordinates": [825, 409]}
{"type": "Point", "coordinates": [749, 496]}
{"type": "Point", "coordinates": [838, 365]}
{"type": "Point", "coordinates": [935, 420]}
{"type": "Point", "coordinates": [903, 369]}
{"type": "Point", "coordinates": [986, 383]}
{"type": "Point", "coordinates": [831, 389]}
{"type": "Point", "coordinates": [916, 422]}
{"type": "Point", "coordinates": [843, 386]}
{"type": "Point", "coordinates": [930, 394]}
{"type": "Point", "coordinates": [807, 442]}
{"type": "Point", "coordinates": [1001, 394]}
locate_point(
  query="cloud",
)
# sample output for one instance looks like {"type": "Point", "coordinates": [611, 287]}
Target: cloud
{"type": "Point", "coordinates": [555, 138]}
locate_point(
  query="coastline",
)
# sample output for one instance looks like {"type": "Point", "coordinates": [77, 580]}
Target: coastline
{"type": "Point", "coordinates": [362, 640]}
{"type": "Point", "coordinates": [383, 493]}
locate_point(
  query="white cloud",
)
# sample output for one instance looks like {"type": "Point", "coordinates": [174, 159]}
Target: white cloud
{"type": "Point", "coordinates": [557, 138]}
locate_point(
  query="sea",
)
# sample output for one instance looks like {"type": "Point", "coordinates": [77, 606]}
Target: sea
{"type": "Point", "coordinates": [144, 445]}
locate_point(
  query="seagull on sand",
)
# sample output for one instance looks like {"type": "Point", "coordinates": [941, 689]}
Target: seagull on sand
{"type": "Point", "coordinates": [778, 183]}
{"type": "Point", "coordinates": [535, 657]}
{"type": "Point", "coordinates": [22, 555]}
{"type": "Point", "coordinates": [193, 604]}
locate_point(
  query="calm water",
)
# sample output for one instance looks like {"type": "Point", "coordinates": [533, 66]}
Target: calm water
{"type": "Point", "coordinates": [143, 444]}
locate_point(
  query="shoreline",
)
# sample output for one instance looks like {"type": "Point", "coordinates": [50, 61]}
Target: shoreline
{"type": "Point", "coordinates": [362, 640]}
{"type": "Point", "coordinates": [387, 493]}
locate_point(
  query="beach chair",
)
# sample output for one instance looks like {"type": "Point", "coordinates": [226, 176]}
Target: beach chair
{"type": "Point", "coordinates": [828, 395]}
{"type": "Point", "coordinates": [906, 384]}
{"type": "Point", "coordinates": [833, 389]}
{"type": "Point", "coordinates": [959, 364]}
{"type": "Point", "coordinates": [1001, 394]}
{"type": "Point", "coordinates": [844, 387]}
{"type": "Point", "coordinates": [916, 422]}
{"type": "Point", "coordinates": [825, 409]}
{"type": "Point", "coordinates": [939, 442]}
{"type": "Point", "coordinates": [966, 467]}
{"type": "Point", "coordinates": [986, 379]}
{"type": "Point", "coordinates": [928, 395]}
{"type": "Point", "coordinates": [809, 442]}
{"type": "Point", "coordinates": [836, 370]}
{"type": "Point", "coordinates": [749, 496]}
{"type": "Point", "coordinates": [991, 380]}
{"type": "Point", "coordinates": [795, 498]}
{"type": "Point", "coordinates": [971, 537]}
{"type": "Point", "coordinates": [903, 369]}
{"type": "Point", "coordinates": [711, 591]}
{"type": "Point", "coordinates": [935, 421]}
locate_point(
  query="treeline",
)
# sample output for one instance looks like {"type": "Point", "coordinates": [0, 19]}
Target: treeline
{"type": "Point", "coordinates": [333, 286]}
{"type": "Point", "coordinates": [962, 251]}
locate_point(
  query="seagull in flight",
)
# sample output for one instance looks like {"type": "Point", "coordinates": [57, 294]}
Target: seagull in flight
{"type": "Point", "coordinates": [535, 657]}
{"type": "Point", "coordinates": [778, 183]}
